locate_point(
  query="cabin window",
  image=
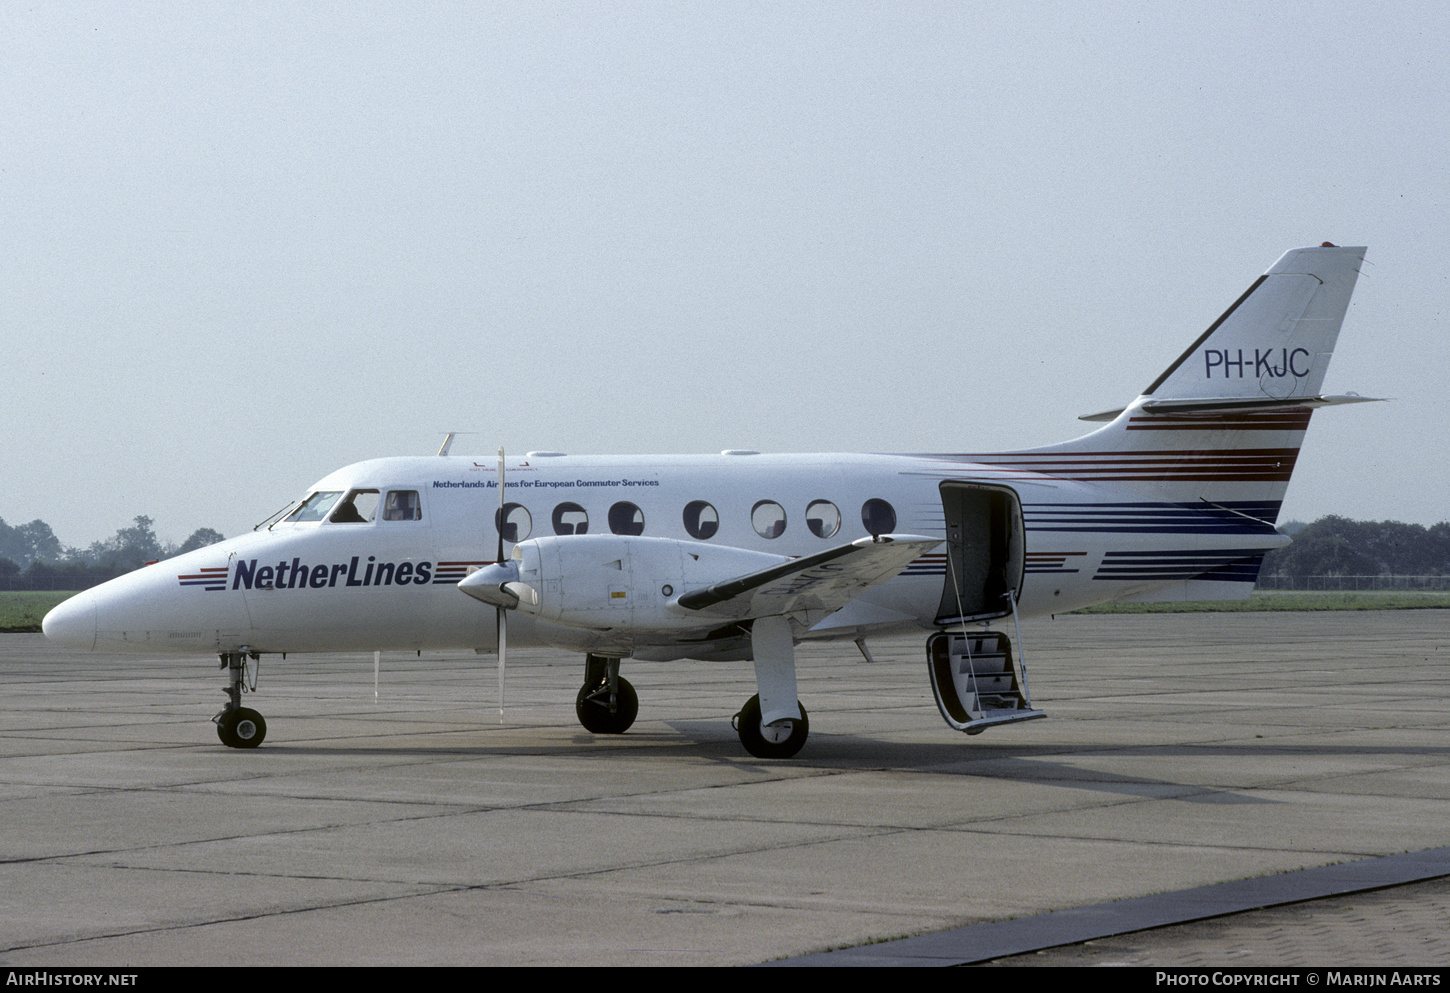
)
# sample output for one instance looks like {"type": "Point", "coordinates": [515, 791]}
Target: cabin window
{"type": "Point", "coordinates": [402, 505]}
{"type": "Point", "coordinates": [315, 507]}
{"type": "Point", "coordinates": [570, 518]}
{"type": "Point", "coordinates": [626, 518]}
{"type": "Point", "coordinates": [768, 519]}
{"type": "Point", "coordinates": [518, 523]}
{"type": "Point", "coordinates": [701, 520]}
{"type": "Point", "coordinates": [823, 518]}
{"type": "Point", "coordinates": [878, 516]}
{"type": "Point", "coordinates": [358, 507]}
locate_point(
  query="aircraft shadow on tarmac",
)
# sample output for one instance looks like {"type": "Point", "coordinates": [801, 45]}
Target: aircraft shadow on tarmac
{"type": "Point", "coordinates": [1028, 764]}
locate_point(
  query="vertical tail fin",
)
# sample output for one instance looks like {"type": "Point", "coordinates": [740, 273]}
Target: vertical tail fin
{"type": "Point", "coordinates": [1274, 344]}
{"type": "Point", "coordinates": [1177, 496]}
{"type": "Point", "coordinates": [1223, 424]}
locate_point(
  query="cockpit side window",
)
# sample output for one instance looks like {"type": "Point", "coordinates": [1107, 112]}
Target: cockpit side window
{"type": "Point", "coordinates": [402, 505]}
{"type": "Point", "coordinates": [315, 507]}
{"type": "Point", "coordinates": [359, 507]}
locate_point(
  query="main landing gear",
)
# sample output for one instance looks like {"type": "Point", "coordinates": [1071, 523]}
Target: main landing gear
{"type": "Point", "coordinates": [238, 726]}
{"type": "Point", "coordinates": [779, 740]}
{"type": "Point", "coordinates": [787, 727]}
{"type": "Point", "coordinates": [606, 703]}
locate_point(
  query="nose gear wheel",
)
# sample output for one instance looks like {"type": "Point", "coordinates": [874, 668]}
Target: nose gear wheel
{"type": "Point", "coordinates": [241, 728]}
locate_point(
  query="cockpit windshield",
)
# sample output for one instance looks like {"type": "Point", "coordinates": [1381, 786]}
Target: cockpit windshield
{"type": "Point", "coordinates": [315, 507]}
{"type": "Point", "coordinates": [358, 507]}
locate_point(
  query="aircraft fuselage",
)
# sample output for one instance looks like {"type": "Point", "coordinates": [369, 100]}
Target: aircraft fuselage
{"type": "Point", "coordinates": [321, 585]}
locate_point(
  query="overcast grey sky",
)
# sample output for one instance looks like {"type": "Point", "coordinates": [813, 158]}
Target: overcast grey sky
{"type": "Point", "coordinates": [250, 243]}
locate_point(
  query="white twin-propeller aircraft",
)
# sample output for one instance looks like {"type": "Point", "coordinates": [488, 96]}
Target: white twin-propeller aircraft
{"type": "Point", "coordinates": [743, 555]}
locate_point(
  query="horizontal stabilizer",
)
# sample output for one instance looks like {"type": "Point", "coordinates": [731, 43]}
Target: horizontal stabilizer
{"type": "Point", "coordinates": [1209, 405]}
{"type": "Point", "coordinates": [827, 580]}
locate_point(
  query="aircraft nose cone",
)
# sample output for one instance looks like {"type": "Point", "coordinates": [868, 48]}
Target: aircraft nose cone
{"type": "Point", "coordinates": [72, 623]}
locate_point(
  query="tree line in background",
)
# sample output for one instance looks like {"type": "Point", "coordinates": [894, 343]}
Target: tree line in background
{"type": "Point", "coordinates": [1337, 546]}
{"type": "Point", "coordinates": [32, 558]}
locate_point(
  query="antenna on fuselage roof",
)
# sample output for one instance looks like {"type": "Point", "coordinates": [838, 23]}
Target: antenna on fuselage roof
{"type": "Point", "coordinates": [448, 440]}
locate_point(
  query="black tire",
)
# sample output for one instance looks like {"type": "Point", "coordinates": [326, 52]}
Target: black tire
{"type": "Point", "coordinates": [241, 728]}
{"type": "Point", "coordinates": [592, 707]}
{"type": "Point", "coordinates": [747, 725]}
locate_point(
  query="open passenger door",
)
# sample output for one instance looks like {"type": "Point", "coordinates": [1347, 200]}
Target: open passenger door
{"type": "Point", "coordinates": [974, 677]}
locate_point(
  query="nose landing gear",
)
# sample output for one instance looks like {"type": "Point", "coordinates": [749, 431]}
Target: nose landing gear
{"type": "Point", "coordinates": [238, 726]}
{"type": "Point", "coordinates": [241, 728]}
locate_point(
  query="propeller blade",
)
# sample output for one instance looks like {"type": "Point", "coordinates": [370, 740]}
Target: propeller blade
{"type": "Point", "coordinates": [502, 614]}
{"type": "Point", "coordinates": [503, 637]}
{"type": "Point", "coordinates": [499, 557]}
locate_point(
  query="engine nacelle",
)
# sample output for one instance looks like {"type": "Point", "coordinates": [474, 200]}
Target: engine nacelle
{"type": "Point", "coordinates": [607, 581]}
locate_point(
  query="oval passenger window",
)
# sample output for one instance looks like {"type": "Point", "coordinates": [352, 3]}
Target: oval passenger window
{"type": "Point", "coordinates": [768, 519]}
{"type": "Point", "coordinates": [878, 516]}
{"type": "Point", "coordinates": [570, 518]}
{"type": "Point", "coordinates": [701, 520]}
{"type": "Point", "coordinates": [626, 518]}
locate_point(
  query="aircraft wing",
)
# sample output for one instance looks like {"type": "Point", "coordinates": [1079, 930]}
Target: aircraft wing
{"type": "Point", "coordinates": [825, 581]}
